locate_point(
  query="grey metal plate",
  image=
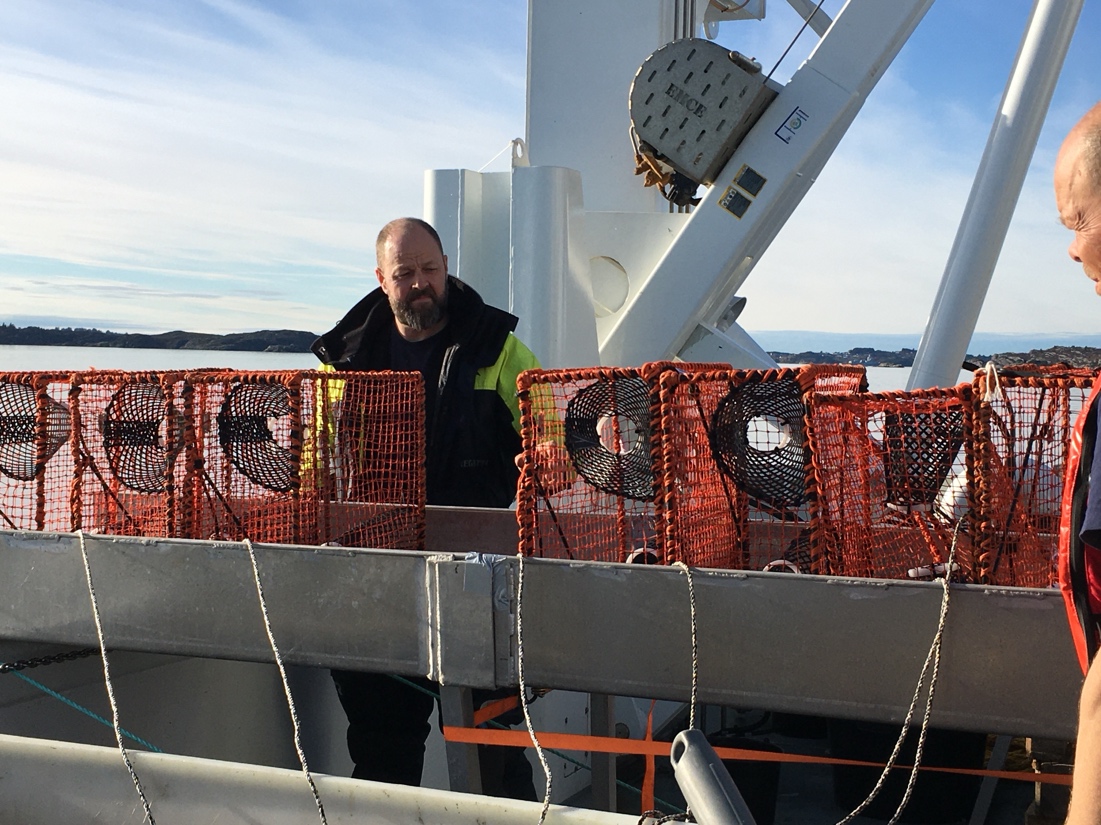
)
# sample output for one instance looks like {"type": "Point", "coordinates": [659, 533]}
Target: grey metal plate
{"type": "Point", "coordinates": [838, 647]}
{"type": "Point", "coordinates": [328, 606]}
{"type": "Point", "coordinates": [808, 644]}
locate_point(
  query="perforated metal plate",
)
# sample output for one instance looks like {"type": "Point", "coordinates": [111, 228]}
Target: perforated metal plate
{"type": "Point", "coordinates": [694, 102]}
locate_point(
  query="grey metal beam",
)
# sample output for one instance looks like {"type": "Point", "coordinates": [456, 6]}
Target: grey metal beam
{"type": "Point", "coordinates": [602, 723]}
{"type": "Point", "coordinates": [332, 607]}
{"type": "Point", "coordinates": [471, 530]}
{"type": "Point", "coordinates": [464, 771]}
{"type": "Point", "coordinates": [804, 644]}
{"type": "Point", "coordinates": [848, 648]}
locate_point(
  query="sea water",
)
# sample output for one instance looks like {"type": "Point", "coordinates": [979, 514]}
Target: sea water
{"type": "Point", "coordinates": [889, 379]}
{"type": "Point", "coordinates": [21, 358]}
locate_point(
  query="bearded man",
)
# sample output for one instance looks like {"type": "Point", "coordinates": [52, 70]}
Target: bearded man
{"type": "Point", "coordinates": [422, 319]}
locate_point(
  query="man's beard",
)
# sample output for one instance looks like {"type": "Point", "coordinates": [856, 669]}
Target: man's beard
{"type": "Point", "coordinates": [422, 317]}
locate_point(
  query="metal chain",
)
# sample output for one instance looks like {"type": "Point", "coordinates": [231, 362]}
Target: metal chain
{"type": "Point", "coordinates": [656, 817]}
{"type": "Point", "coordinates": [42, 661]}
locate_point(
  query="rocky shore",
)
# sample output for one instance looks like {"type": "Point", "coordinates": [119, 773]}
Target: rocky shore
{"type": "Point", "coordinates": [265, 340]}
{"type": "Point", "coordinates": [1088, 357]}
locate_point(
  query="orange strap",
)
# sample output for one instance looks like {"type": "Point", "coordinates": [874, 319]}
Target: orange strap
{"type": "Point", "coordinates": [648, 775]}
{"type": "Point", "coordinates": [491, 710]}
{"type": "Point", "coordinates": [611, 744]}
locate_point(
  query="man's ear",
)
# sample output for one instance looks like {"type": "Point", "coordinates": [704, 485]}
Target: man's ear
{"type": "Point", "coordinates": [378, 274]}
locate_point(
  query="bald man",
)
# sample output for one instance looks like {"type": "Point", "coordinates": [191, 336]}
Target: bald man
{"type": "Point", "coordinates": [421, 319]}
{"type": "Point", "coordinates": [1078, 192]}
{"type": "Point", "coordinates": [1078, 198]}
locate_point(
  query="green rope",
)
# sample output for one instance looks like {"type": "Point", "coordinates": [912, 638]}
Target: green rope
{"type": "Point", "coordinates": [559, 754]}
{"type": "Point", "coordinates": [84, 710]}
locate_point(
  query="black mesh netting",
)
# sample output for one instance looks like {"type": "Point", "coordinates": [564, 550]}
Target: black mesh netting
{"type": "Point", "coordinates": [757, 437]}
{"type": "Point", "coordinates": [608, 437]}
{"type": "Point", "coordinates": [135, 438]}
{"type": "Point", "coordinates": [920, 449]}
{"type": "Point", "coordinates": [18, 446]}
{"type": "Point", "coordinates": [244, 431]}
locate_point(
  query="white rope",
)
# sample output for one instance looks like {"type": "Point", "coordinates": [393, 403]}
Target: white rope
{"type": "Point", "coordinates": [523, 687]}
{"type": "Point", "coordinates": [507, 148]}
{"type": "Point", "coordinates": [695, 653]}
{"type": "Point", "coordinates": [993, 383]}
{"type": "Point", "coordinates": [933, 660]}
{"type": "Point", "coordinates": [110, 686]}
{"type": "Point", "coordinates": [433, 605]}
{"type": "Point", "coordinates": [286, 684]}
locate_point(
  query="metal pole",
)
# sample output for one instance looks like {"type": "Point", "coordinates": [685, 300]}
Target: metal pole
{"type": "Point", "coordinates": [994, 193]}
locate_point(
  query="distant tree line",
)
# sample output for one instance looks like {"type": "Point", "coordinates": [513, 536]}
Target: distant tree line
{"type": "Point", "coordinates": [290, 340]}
{"type": "Point", "coordinates": [1087, 357]}
{"type": "Point", "coordinates": [265, 340]}
{"type": "Point", "coordinates": [868, 356]}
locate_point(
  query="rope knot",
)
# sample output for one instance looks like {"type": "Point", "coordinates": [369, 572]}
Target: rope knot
{"type": "Point", "coordinates": [993, 383]}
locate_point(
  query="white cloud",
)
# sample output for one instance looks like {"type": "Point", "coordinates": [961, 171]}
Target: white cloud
{"type": "Point", "coordinates": [220, 166]}
{"type": "Point", "coordinates": [866, 249]}
{"type": "Point", "coordinates": [145, 140]}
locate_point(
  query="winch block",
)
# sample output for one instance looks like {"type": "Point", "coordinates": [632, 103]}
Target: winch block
{"type": "Point", "coordinates": [693, 102]}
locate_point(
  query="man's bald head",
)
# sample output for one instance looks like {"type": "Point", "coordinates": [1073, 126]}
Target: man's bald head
{"type": "Point", "coordinates": [1085, 137]}
{"type": "Point", "coordinates": [412, 271]}
{"type": "Point", "coordinates": [399, 225]}
{"type": "Point", "coordinates": [1078, 192]}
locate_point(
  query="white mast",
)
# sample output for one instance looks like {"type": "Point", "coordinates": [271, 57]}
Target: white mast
{"type": "Point", "coordinates": [994, 194]}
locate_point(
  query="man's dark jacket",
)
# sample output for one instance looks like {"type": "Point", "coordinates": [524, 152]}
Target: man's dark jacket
{"type": "Point", "coordinates": [472, 445]}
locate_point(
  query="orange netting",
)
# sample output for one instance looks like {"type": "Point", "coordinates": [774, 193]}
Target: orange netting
{"type": "Point", "coordinates": [34, 451]}
{"type": "Point", "coordinates": [732, 488]}
{"type": "Point", "coordinates": [587, 483]}
{"type": "Point", "coordinates": [295, 457]}
{"type": "Point", "coordinates": [128, 452]}
{"type": "Point", "coordinates": [373, 458]}
{"type": "Point", "coordinates": [790, 468]}
{"type": "Point", "coordinates": [886, 468]}
{"type": "Point", "coordinates": [1024, 416]}
{"type": "Point", "coordinates": [833, 379]}
{"type": "Point", "coordinates": [732, 491]}
{"type": "Point", "coordinates": [670, 462]}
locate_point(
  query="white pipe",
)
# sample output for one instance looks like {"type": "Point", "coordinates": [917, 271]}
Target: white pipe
{"type": "Point", "coordinates": [994, 193]}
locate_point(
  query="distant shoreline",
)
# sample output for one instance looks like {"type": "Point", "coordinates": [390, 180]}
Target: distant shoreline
{"type": "Point", "coordinates": [265, 340]}
{"type": "Point", "coordinates": [1082, 357]}
{"type": "Point", "coordinates": [299, 341]}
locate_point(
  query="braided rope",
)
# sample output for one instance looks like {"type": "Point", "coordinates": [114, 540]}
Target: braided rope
{"type": "Point", "coordinates": [107, 681]}
{"type": "Point", "coordinates": [695, 660]}
{"type": "Point", "coordinates": [656, 817]}
{"type": "Point", "coordinates": [992, 381]}
{"type": "Point", "coordinates": [524, 704]}
{"type": "Point", "coordinates": [695, 651]}
{"type": "Point", "coordinates": [932, 660]}
{"type": "Point", "coordinates": [286, 683]}
{"type": "Point", "coordinates": [65, 700]}
{"type": "Point", "coordinates": [433, 603]}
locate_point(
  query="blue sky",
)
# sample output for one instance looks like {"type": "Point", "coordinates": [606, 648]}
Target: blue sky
{"type": "Point", "coordinates": [225, 165]}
